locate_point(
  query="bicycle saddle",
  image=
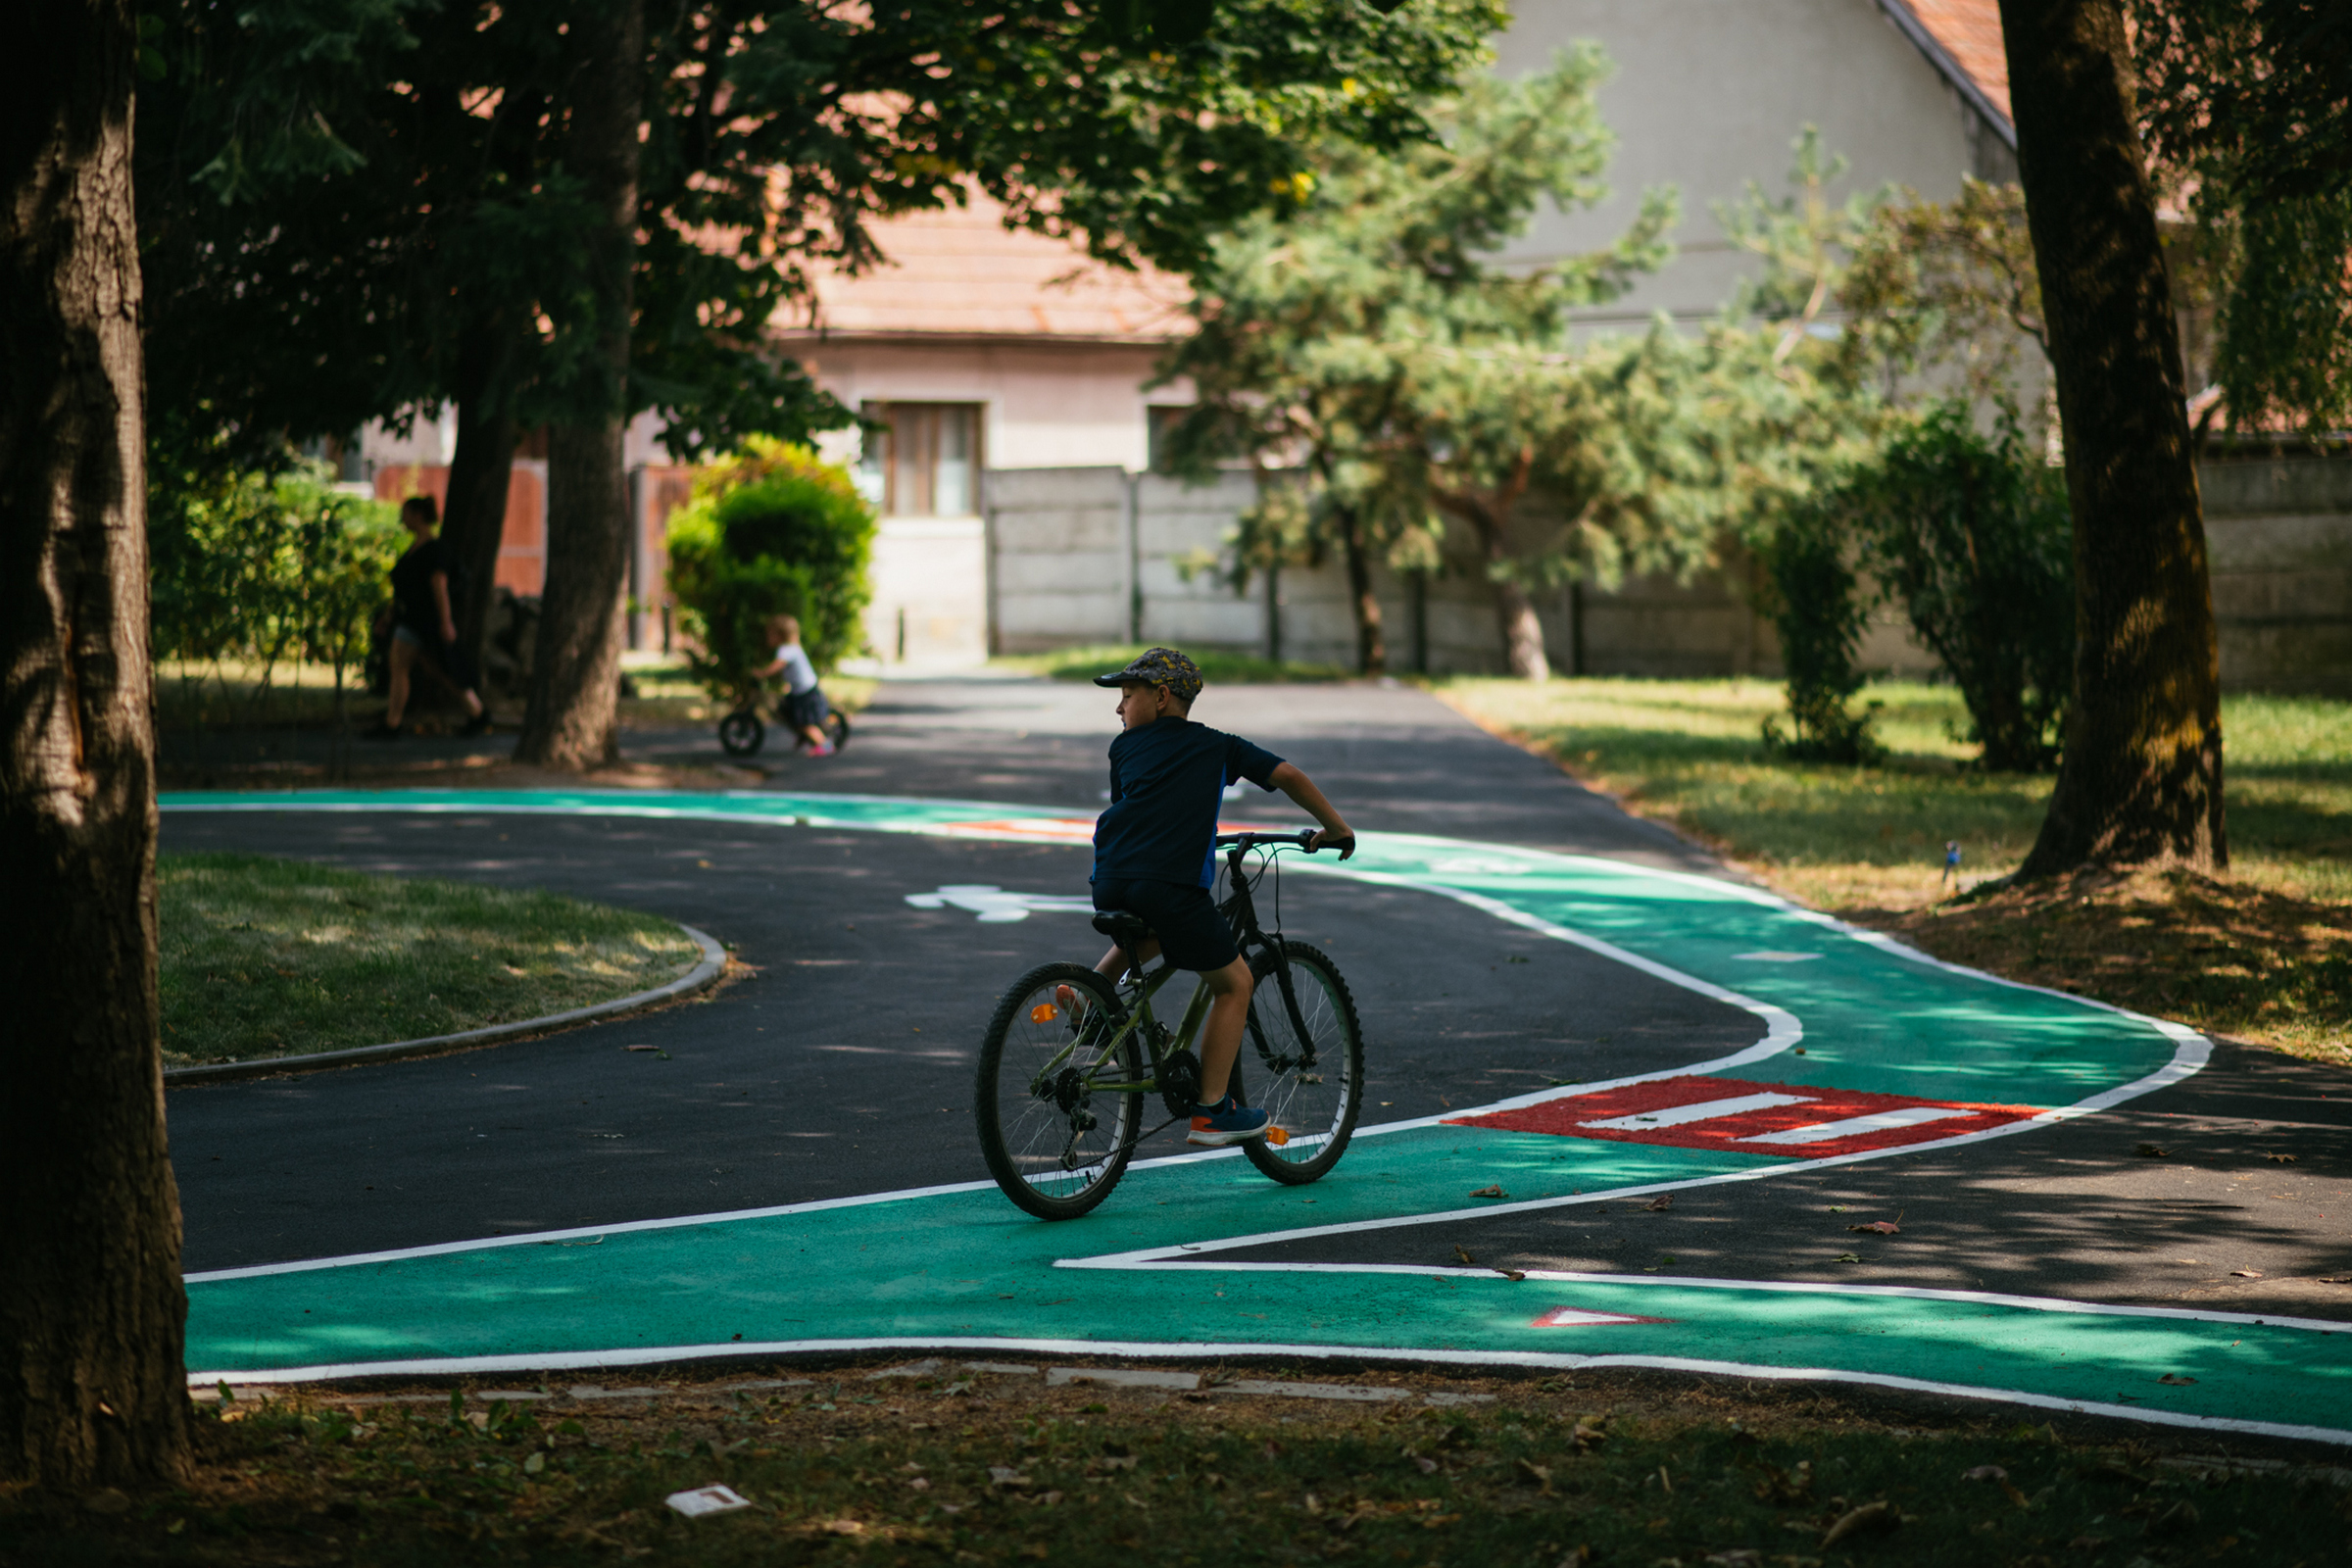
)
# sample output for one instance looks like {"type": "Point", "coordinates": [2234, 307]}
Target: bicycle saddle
{"type": "Point", "coordinates": [1128, 930]}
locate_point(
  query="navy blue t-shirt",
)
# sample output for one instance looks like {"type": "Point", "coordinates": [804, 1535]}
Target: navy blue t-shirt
{"type": "Point", "coordinates": [1166, 780]}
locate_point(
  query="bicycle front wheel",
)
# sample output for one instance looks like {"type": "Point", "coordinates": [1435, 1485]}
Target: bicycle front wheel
{"type": "Point", "coordinates": [741, 733]}
{"type": "Point", "coordinates": [1311, 1064]}
{"type": "Point", "coordinates": [1059, 1109]}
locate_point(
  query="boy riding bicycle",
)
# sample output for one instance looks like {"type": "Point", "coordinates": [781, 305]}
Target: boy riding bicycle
{"type": "Point", "coordinates": [1155, 858]}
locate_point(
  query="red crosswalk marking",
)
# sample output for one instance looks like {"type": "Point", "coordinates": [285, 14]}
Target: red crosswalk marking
{"type": "Point", "coordinates": [1796, 1121]}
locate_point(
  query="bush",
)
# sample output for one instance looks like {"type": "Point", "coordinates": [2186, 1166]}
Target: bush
{"type": "Point", "coordinates": [776, 531]}
{"type": "Point", "coordinates": [269, 567]}
{"type": "Point", "coordinates": [1815, 601]}
{"type": "Point", "coordinates": [1970, 533]}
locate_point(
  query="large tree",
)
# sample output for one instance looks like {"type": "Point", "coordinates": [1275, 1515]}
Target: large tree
{"type": "Point", "coordinates": [571, 720]}
{"type": "Point", "coordinates": [1364, 334]}
{"type": "Point", "coordinates": [398, 169]}
{"type": "Point", "coordinates": [91, 1311]}
{"type": "Point", "coordinates": [2141, 780]}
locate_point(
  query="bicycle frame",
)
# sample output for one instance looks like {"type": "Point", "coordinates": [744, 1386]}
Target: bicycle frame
{"type": "Point", "coordinates": [1241, 911]}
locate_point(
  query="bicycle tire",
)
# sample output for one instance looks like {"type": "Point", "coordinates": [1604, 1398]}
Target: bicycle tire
{"type": "Point", "coordinates": [1037, 1149]}
{"type": "Point", "coordinates": [837, 724]}
{"type": "Point", "coordinates": [741, 733]}
{"type": "Point", "coordinates": [1317, 1106]}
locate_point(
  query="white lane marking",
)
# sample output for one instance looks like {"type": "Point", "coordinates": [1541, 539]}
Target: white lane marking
{"type": "Point", "coordinates": [996, 906]}
{"type": "Point", "coordinates": [1576, 1317]}
{"type": "Point", "coordinates": [1921, 1293]}
{"type": "Point", "coordinates": [545, 1237]}
{"type": "Point", "coordinates": [1702, 1110]}
{"type": "Point", "coordinates": [1190, 1349]}
{"type": "Point", "coordinates": [1767, 955]}
{"type": "Point", "coordinates": [1883, 1121]}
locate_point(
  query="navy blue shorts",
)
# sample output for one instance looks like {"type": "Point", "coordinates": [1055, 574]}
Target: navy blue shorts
{"type": "Point", "coordinates": [806, 710]}
{"type": "Point", "coordinates": [1192, 934]}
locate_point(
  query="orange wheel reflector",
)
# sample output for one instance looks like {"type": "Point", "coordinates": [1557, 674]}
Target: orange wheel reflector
{"type": "Point", "coordinates": [1275, 1135]}
{"type": "Point", "coordinates": [1043, 1012]}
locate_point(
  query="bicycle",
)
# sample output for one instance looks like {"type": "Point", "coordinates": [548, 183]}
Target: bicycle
{"type": "Point", "coordinates": [743, 732]}
{"type": "Point", "coordinates": [1062, 1076]}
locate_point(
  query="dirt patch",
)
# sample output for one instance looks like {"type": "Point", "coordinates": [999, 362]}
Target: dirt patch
{"type": "Point", "coordinates": [942, 1461]}
{"type": "Point", "coordinates": [2222, 957]}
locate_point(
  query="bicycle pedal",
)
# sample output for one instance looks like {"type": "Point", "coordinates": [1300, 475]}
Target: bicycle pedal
{"type": "Point", "coordinates": [1277, 1137]}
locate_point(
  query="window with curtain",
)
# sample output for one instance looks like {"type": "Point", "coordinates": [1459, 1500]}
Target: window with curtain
{"type": "Point", "coordinates": [927, 462]}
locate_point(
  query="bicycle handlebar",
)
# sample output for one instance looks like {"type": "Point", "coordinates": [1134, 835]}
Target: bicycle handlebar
{"type": "Point", "coordinates": [1303, 840]}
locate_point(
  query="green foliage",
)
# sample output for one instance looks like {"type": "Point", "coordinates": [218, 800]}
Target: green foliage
{"type": "Point", "coordinates": [2284, 354]}
{"type": "Point", "coordinates": [1365, 337]}
{"type": "Point", "coordinates": [1970, 533]}
{"type": "Point", "coordinates": [269, 567]}
{"type": "Point", "coordinates": [1818, 606]}
{"type": "Point", "coordinates": [1944, 292]}
{"type": "Point", "coordinates": [348, 207]}
{"type": "Point", "coordinates": [2243, 105]}
{"type": "Point", "coordinates": [777, 532]}
{"type": "Point", "coordinates": [1807, 244]}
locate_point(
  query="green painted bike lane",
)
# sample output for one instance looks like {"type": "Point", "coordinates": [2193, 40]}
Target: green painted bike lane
{"type": "Point", "coordinates": [959, 1266]}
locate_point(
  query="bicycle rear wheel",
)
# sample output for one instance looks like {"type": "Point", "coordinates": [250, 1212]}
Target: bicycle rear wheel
{"type": "Point", "coordinates": [1055, 1141]}
{"type": "Point", "coordinates": [1313, 1083]}
{"type": "Point", "coordinates": [837, 725]}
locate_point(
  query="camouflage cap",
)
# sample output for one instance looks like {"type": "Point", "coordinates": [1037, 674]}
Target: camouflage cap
{"type": "Point", "coordinates": [1158, 667]}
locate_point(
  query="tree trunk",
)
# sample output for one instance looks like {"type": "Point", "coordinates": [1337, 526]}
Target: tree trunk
{"type": "Point", "coordinates": [92, 1389]}
{"type": "Point", "coordinates": [571, 720]}
{"type": "Point", "coordinates": [1522, 632]}
{"type": "Point", "coordinates": [2141, 780]}
{"type": "Point", "coordinates": [1371, 635]}
{"type": "Point", "coordinates": [474, 521]}
{"type": "Point", "coordinates": [1514, 612]}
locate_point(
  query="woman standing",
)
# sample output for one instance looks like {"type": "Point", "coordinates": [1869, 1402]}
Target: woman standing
{"type": "Point", "coordinates": [421, 621]}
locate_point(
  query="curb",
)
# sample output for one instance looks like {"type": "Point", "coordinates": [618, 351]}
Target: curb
{"type": "Point", "coordinates": [713, 963]}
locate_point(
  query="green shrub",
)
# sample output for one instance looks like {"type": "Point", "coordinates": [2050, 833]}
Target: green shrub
{"type": "Point", "coordinates": [270, 568]}
{"type": "Point", "coordinates": [1815, 600]}
{"type": "Point", "coordinates": [1970, 533]}
{"type": "Point", "coordinates": [776, 531]}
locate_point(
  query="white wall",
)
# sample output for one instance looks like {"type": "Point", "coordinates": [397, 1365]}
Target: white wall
{"type": "Point", "coordinates": [1708, 95]}
{"type": "Point", "coordinates": [1044, 405]}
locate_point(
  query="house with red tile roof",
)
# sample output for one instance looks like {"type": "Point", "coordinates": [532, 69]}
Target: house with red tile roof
{"type": "Point", "coordinates": [1015, 373]}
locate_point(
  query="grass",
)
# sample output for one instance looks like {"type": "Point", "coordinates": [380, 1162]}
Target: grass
{"type": "Point", "coordinates": [2265, 954]}
{"type": "Point", "coordinates": [969, 1468]}
{"type": "Point", "coordinates": [1216, 665]}
{"type": "Point", "coordinates": [265, 958]}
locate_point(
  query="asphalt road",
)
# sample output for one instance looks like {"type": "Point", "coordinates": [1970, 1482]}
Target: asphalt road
{"type": "Point", "coordinates": [841, 1065]}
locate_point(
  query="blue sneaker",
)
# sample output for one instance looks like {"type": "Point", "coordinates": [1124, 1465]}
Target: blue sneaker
{"type": "Point", "coordinates": [1215, 1126]}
